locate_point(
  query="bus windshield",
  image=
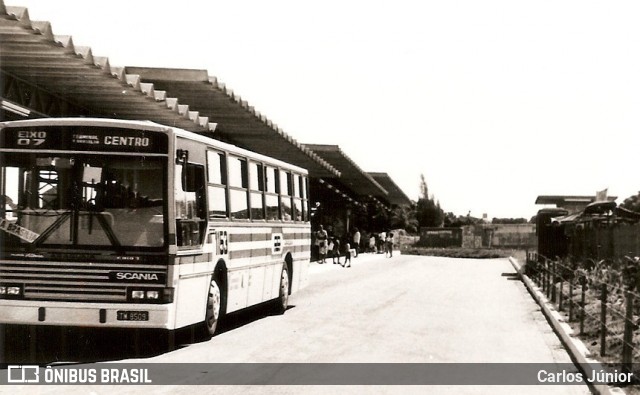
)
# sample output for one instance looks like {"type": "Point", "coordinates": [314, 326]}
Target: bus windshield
{"type": "Point", "coordinates": [105, 201]}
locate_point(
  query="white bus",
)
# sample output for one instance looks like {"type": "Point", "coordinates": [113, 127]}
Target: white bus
{"type": "Point", "coordinates": [130, 224]}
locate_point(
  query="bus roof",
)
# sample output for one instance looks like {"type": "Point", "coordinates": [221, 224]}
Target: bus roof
{"type": "Point", "coordinates": [150, 126]}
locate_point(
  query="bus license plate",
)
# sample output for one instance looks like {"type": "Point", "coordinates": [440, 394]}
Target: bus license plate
{"type": "Point", "coordinates": [133, 315]}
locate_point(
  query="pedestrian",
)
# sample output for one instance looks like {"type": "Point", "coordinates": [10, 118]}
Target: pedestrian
{"type": "Point", "coordinates": [389, 245]}
{"type": "Point", "coordinates": [347, 255]}
{"type": "Point", "coordinates": [336, 251]}
{"type": "Point", "coordinates": [356, 241]}
{"type": "Point", "coordinates": [382, 238]}
{"type": "Point", "coordinates": [322, 238]}
{"type": "Point", "coordinates": [372, 243]}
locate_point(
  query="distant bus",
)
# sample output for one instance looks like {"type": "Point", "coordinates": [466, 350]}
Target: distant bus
{"type": "Point", "coordinates": [130, 224]}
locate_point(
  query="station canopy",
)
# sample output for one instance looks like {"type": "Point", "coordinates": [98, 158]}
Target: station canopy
{"type": "Point", "coordinates": [352, 176]}
{"type": "Point", "coordinates": [395, 195]}
{"type": "Point", "coordinates": [47, 75]}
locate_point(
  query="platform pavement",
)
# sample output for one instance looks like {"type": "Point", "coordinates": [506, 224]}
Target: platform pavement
{"type": "Point", "coordinates": [362, 258]}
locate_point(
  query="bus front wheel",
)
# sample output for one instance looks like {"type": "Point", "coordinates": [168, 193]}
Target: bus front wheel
{"type": "Point", "coordinates": [214, 308]}
{"type": "Point", "coordinates": [282, 302]}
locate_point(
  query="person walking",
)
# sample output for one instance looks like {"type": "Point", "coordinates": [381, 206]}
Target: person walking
{"type": "Point", "coordinates": [347, 255]}
{"type": "Point", "coordinates": [322, 238]}
{"type": "Point", "coordinates": [389, 245]}
{"type": "Point", "coordinates": [382, 238]}
{"type": "Point", "coordinates": [372, 243]}
{"type": "Point", "coordinates": [356, 241]}
{"type": "Point", "coordinates": [336, 251]}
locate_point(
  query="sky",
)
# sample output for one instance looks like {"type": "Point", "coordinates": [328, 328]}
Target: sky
{"type": "Point", "coordinates": [494, 102]}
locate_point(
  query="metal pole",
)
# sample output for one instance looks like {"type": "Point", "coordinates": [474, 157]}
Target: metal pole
{"type": "Point", "coordinates": [627, 340]}
{"type": "Point", "coordinates": [553, 281]}
{"type": "Point", "coordinates": [570, 300]}
{"type": "Point", "coordinates": [582, 310]}
{"type": "Point", "coordinates": [603, 320]}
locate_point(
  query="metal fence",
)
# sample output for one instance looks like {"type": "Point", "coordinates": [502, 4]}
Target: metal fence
{"type": "Point", "coordinates": [600, 299]}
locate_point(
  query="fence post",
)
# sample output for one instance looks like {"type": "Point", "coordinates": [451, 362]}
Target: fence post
{"type": "Point", "coordinates": [553, 281]}
{"type": "Point", "coordinates": [570, 299]}
{"type": "Point", "coordinates": [543, 276]}
{"type": "Point", "coordinates": [627, 340]}
{"type": "Point", "coordinates": [560, 294]}
{"type": "Point", "coordinates": [603, 320]}
{"type": "Point", "coordinates": [582, 312]}
{"type": "Point", "coordinates": [546, 277]}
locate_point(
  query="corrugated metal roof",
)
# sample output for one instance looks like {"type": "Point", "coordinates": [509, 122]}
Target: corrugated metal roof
{"type": "Point", "coordinates": [396, 196]}
{"type": "Point", "coordinates": [351, 174]}
{"type": "Point", "coordinates": [237, 121]}
{"type": "Point", "coordinates": [564, 199]}
{"type": "Point", "coordinates": [188, 99]}
{"type": "Point", "coordinates": [31, 52]}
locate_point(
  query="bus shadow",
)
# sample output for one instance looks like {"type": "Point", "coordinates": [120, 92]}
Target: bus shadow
{"type": "Point", "coordinates": [61, 345]}
{"type": "Point", "coordinates": [247, 316]}
{"type": "Point", "coordinates": [45, 345]}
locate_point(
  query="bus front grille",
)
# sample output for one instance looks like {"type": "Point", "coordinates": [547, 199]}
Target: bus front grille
{"type": "Point", "coordinates": [80, 281]}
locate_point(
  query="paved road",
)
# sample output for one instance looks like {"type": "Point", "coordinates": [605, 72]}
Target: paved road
{"type": "Point", "coordinates": [403, 309]}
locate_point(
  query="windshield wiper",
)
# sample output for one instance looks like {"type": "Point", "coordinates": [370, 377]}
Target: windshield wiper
{"type": "Point", "coordinates": [52, 228]}
{"type": "Point", "coordinates": [113, 239]}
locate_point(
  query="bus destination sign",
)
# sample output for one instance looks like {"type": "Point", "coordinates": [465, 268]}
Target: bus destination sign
{"type": "Point", "coordinates": [84, 139]}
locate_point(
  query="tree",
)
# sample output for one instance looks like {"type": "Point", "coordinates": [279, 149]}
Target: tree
{"type": "Point", "coordinates": [455, 221]}
{"type": "Point", "coordinates": [509, 221]}
{"type": "Point", "coordinates": [632, 203]}
{"type": "Point", "coordinates": [428, 212]}
{"type": "Point", "coordinates": [404, 217]}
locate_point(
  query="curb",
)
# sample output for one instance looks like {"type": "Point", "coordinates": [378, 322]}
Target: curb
{"type": "Point", "coordinates": [579, 353]}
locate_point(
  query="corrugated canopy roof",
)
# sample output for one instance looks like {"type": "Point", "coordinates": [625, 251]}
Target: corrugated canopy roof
{"type": "Point", "coordinates": [396, 195]}
{"type": "Point", "coordinates": [351, 175]}
{"type": "Point", "coordinates": [31, 53]}
{"type": "Point", "coordinates": [237, 122]}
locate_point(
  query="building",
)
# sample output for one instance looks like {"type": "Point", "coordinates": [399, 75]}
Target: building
{"type": "Point", "coordinates": [573, 204]}
{"type": "Point", "coordinates": [45, 75]}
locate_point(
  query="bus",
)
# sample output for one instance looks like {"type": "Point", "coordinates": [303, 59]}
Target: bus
{"type": "Point", "coordinates": [133, 224]}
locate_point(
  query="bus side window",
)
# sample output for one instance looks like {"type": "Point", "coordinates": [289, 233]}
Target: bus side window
{"type": "Point", "coordinates": [238, 188]}
{"type": "Point", "coordinates": [190, 205]}
{"type": "Point", "coordinates": [286, 190]}
{"type": "Point", "coordinates": [271, 194]}
{"type": "Point", "coordinates": [217, 190]}
{"type": "Point", "coordinates": [256, 185]}
{"type": "Point", "coordinates": [297, 197]}
{"type": "Point", "coordinates": [306, 215]}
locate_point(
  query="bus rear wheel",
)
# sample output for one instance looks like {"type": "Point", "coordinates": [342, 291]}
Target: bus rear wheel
{"type": "Point", "coordinates": [214, 308]}
{"type": "Point", "coordinates": [281, 304]}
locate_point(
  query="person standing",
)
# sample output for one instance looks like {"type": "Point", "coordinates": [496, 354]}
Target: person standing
{"type": "Point", "coordinates": [382, 238]}
{"type": "Point", "coordinates": [356, 241]}
{"type": "Point", "coordinates": [389, 245]}
{"type": "Point", "coordinates": [372, 243]}
{"type": "Point", "coordinates": [347, 255]}
{"type": "Point", "coordinates": [336, 251]}
{"type": "Point", "coordinates": [322, 238]}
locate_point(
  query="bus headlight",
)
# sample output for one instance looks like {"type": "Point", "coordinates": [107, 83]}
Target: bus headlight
{"type": "Point", "coordinates": [153, 295]}
{"type": "Point", "coordinates": [10, 291]}
{"type": "Point", "coordinates": [13, 291]}
{"type": "Point", "coordinates": [137, 294]}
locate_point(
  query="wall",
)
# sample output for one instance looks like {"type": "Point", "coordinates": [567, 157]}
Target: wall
{"type": "Point", "coordinates": [499, 236]}
{"type": "Point", "coordinates": [440, 237]}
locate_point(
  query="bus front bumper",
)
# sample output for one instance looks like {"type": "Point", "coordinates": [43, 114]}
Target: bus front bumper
{"type": "Point", "coordinates": [108, 315]}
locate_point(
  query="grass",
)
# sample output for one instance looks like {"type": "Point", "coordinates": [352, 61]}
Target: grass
{"type": "Point", "coordinates": [458, 252]}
